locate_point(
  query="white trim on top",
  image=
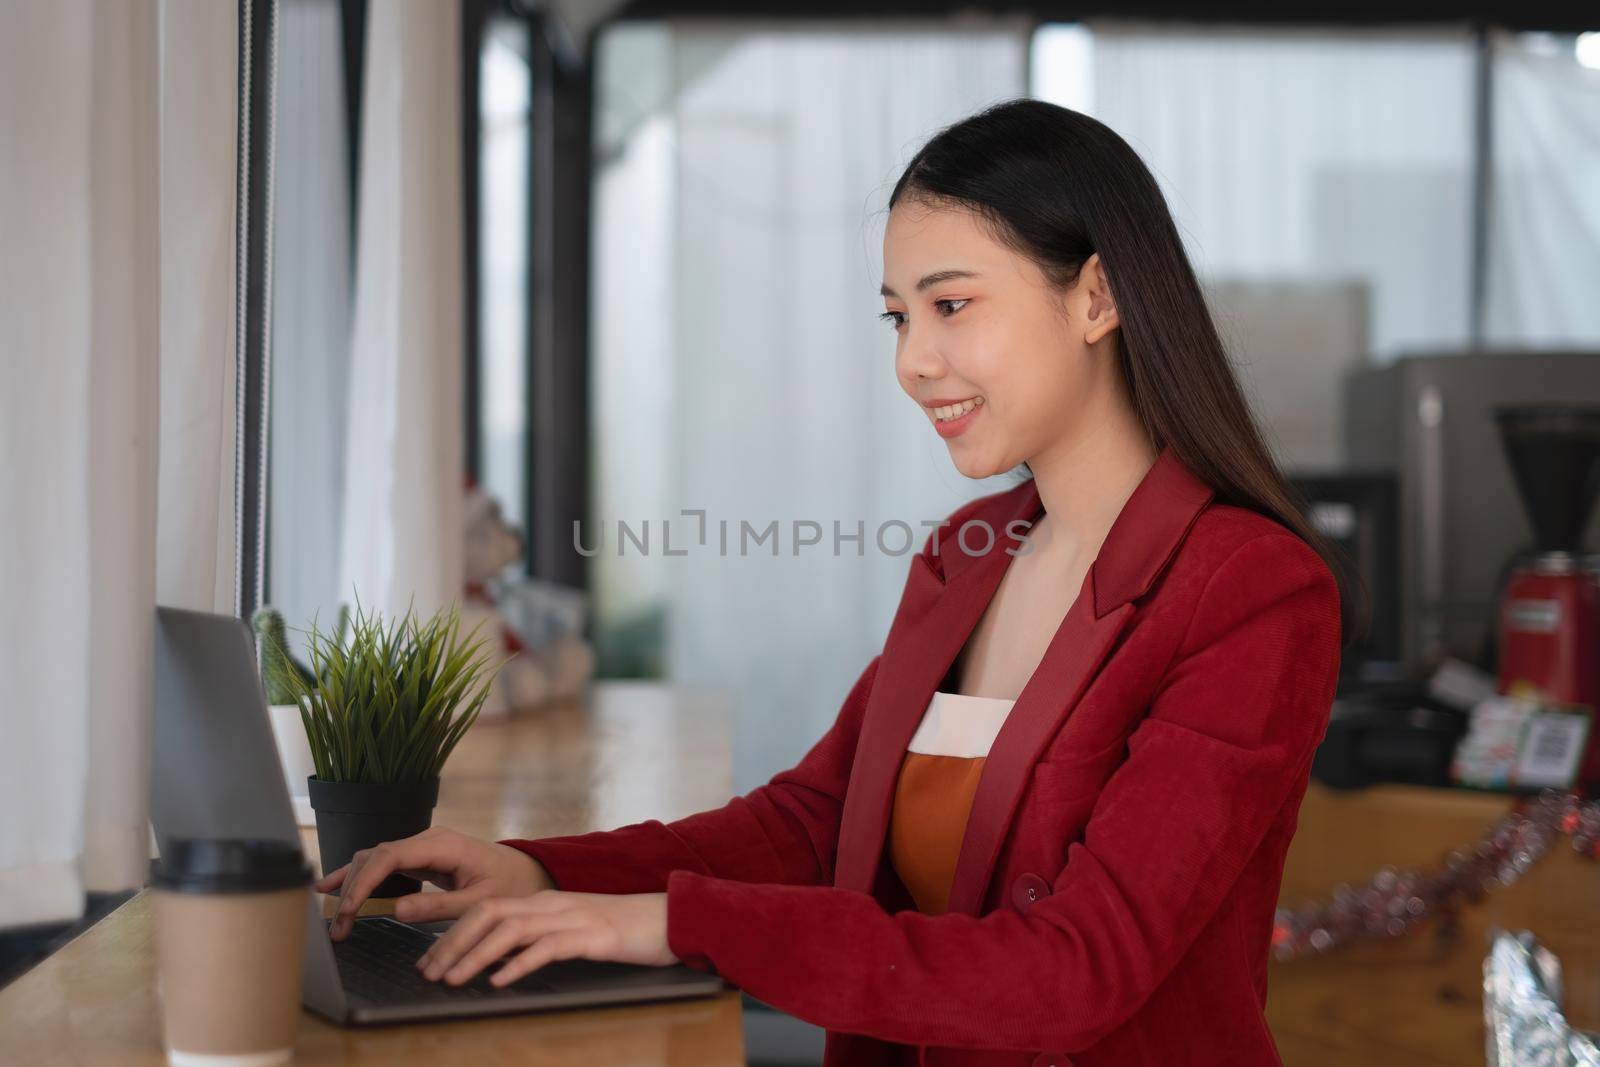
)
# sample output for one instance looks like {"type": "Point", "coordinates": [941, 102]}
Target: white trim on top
{"type": "Point", "coordinates": [959, 725]}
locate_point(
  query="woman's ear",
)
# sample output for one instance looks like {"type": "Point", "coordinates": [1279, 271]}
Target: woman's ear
{"type": "Point", "coordinates": [1102, 317]}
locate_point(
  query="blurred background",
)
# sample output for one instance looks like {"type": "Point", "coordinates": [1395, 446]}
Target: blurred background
{"type": "Point", "coordinates": [531, 304]}
{"type": "Point", "coordinates": [672, 221]}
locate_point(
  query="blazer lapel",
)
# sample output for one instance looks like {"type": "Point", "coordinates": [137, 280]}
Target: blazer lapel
{"type": "Point", "coordinates": [936, 618]}
{"type": "Point", "coordinates": [1072, 659]}
{"type": "Point", "coordinates": [937, 615]}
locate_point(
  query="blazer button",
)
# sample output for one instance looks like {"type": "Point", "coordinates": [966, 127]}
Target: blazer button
{"type": "Point", "coordinates": [1027, 890]}
{"type": "Point", "coordinates": [1052, 1059]}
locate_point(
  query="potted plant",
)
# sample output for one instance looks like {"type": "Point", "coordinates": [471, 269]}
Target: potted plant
{"type": "Point", "coordinates": [390, 702]}
{"type": "Point", "coordinates": [278, 669]}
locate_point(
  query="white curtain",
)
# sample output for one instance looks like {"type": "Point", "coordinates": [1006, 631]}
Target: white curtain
{"type": "Point", "coordinates": [1311, 155]}
{"type": "Point", "coordinates": [116, 220]}
{"type": "Point", "coordinates": [196, 564]}
{"type": "Point", "coordinates": [739, 363]}
{"type": "Point", "coordinates": [1321, 179]}
{"type": "Point", "coordinates": [1544, 246]}
{"type": "Point", "coordinates": [310, 317]}
{"type": "Point", "coordinates": [404, 453]}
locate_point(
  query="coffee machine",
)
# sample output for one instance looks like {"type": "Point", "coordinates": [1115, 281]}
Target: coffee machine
{"type": "Point", "coordinates": [1549, 607]}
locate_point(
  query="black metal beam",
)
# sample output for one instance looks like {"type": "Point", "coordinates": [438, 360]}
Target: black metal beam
{"type": "Point", "coordinates": [353, 38]}
{"type": "Point", "coordinates": [474, 18]}
{"type": "Point", "coordinates": [535, 321]}
{"type": "Point", "coordinates": [561, 172]}
{"type": "Point", "coordinates": [258, 27]}
{"type": "Point", "coordinates": [1482, 181]}
{"type": "Point", "coordinates": [1536, 15]}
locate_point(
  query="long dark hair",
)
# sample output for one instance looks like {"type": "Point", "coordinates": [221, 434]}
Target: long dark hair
{"type": "Point", "coordinates": [1058, 186]}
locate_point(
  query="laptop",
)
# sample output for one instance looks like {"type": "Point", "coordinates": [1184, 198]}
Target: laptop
{"type": "Point", "coordinates": [216, 773]}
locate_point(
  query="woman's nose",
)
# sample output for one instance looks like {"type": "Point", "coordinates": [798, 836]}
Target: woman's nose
{"type": "Point", "coordinates": [919, 359]}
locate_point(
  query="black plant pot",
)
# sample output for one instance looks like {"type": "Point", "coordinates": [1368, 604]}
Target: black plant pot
{"type": "Point", "coordinates": [356, 815]}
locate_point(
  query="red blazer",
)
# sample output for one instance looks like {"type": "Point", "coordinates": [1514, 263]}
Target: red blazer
{"type": "Point", "coordinates": [1113, 902]}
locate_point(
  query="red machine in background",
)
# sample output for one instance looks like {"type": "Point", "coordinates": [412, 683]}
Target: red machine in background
{"type": "Point", "coordinates": [1549, 610]}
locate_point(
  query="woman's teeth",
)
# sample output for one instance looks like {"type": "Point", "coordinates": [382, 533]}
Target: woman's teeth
{"type": "Point", "coordinates": [952, 411]}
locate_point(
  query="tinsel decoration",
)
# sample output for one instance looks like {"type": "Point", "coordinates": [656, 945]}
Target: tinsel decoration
{"type": "Point", "coordinates": [1394, 901]}
{"type": "Point", "coordinates": [1523, 1023]}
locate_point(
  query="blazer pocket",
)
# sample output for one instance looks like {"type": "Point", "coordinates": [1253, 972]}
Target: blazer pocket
{"type": "Point", "coordinates": [1075, 775]}
{"type": "Point", "coordinates": [1052, 816]}
{"type": "Point", "coordinates": [1062, 793]}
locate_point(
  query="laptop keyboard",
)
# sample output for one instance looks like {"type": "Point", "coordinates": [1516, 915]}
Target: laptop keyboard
{"type": "Point", "coordinates": [378, 963]}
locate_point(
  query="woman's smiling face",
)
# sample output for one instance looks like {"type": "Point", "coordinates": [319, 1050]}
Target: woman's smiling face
{"type": "Point", "coordinates": [1005, 367]}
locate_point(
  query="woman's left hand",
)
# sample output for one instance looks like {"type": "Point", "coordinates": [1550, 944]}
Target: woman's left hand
{"type": "Point", "coordinates": [550, 925]}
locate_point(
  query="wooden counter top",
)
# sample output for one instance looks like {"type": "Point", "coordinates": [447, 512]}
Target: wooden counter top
{"type": "Point", "coordinates": [632, 751]}
{"type": "Point", "coordinates": [637, 751]}
{"type": "Point", "coordinates": [1419, 999]}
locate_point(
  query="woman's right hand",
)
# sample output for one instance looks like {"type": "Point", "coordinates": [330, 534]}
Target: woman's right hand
{"type": "Point", "coordinates": [468, 869]}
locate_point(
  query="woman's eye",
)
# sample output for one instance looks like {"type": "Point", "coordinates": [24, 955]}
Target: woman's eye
{"type": "Point", "coordinates": [896, 319]}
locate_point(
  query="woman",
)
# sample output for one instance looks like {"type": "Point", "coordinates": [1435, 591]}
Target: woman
{"type": "Point", "coordinates": [1049, 823]}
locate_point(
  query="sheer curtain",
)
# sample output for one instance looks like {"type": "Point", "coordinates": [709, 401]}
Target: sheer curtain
{"type": "Point", "coordinates": [1318, 155]}
{"type": "Point", "coordinates": [739, 364]}
{"type": "Point", "coordinates": [310, 316]}
{"type": "Point", "coordinates": [116, 302]}
{"type": "Point", "coordinates": [1544, 245]}
{"type": "Point", "coordinates": [404, 454]}
{"type": "Point", "coordinates": [1321, 179]}
{"type": "Point", "coordinates": [196, 567]}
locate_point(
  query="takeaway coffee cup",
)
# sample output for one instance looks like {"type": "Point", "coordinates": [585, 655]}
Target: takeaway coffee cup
{"type": "Point", "coordinates": [230, 919]}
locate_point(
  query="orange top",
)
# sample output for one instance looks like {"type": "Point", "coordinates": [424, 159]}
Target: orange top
{"type": "Point", "coordinates": [933, 794]}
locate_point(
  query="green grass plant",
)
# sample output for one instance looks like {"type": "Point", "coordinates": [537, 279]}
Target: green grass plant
{"type": "Point", "coordinates": [392, 697]}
